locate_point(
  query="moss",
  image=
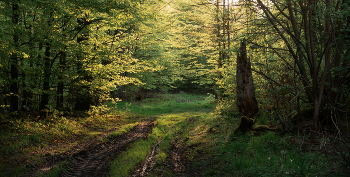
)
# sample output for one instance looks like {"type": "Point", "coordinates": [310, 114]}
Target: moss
{"type": "Point", "coordinates": [306, 113]}
{"type": "Point", "coordinates": [261, 128]}
{"type": "Point", "coordinates": [245, 125]}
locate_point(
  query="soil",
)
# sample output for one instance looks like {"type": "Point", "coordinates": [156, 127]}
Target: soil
{"type": "Point", "coordinates": [176, 162]}
{"type": "Point", "coordinates": [94, 160]}
{"type": "Point", "coordinates": [91, 158]}
{"type": "Point", "coordinates": [178, 156]}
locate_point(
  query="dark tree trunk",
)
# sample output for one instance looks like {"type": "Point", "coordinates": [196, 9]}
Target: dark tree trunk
{"type": "Point", "coordinates": [14, 59]}
{"type": "Point", "coordinates": [46, 84]}
{"type": "Point", "coordinates": [218, 34]}
{"type": "Point", "coordinates": [60, 87]}
{"type": "Point", "coordinates": [246, 101]}
{"type": "Point", "coordinates": [84, 98]}
{"type": "Point", "coordinates": [47, 71]}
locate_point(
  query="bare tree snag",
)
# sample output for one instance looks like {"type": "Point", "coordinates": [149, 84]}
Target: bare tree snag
{"type": "Point", "coordinates": [246, 101]}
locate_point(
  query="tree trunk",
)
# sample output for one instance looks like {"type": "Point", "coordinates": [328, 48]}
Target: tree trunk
{"type": "Point", "coordinates": [218, 34]}
{"type": "Point", "coordinates": [84, 98]}
{"type": "Point", "coordinates": [246, 101]}
{"type": "Point", "coordinates": [46, 85]}
{"type": "Point", "coordinates": [60, 87]}
{"type": "Point", "coordinates": [14, 59]}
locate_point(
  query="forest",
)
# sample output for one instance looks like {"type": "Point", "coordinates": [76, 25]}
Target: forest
{"type": "Point", "coordinates": [174, 87]}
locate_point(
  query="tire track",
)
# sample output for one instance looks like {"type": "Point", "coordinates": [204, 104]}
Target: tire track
{"type": "Point", "coordinates": [94, 161]}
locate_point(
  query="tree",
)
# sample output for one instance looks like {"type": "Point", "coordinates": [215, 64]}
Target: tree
{"type": "Point", "coordinates": [246, 101]}
{"type": "Point", "coordinates": [45, 64]}
{"type": "Point", "coordinates": [315, 34]}
{"type": "Point", "coordinates": [14, 56]}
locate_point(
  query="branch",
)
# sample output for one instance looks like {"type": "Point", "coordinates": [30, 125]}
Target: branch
{"type": "Point", "coordinates": [267, 77]}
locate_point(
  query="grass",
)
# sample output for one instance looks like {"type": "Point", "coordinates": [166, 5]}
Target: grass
{"type": "Point", "coordinates": [265, 155]}
{"type": "Point", "coordinates": [212, 149]}
{"type": "Point", "coordinates": [54, 172]}
{"type": "Point", "coordinates": [123, 129]}
{"type": "Point", "coordinates": [131, 158]}
{"type": "Point", "coordinates": [26, 141]}
{"type": "Point", "coordinates": [172, 113]}
{"type": "Point", "coordinates": [167, 104]}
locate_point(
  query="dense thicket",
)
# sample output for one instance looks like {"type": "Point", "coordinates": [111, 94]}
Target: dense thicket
{"type": "Point", "coordinates": [300, 54]}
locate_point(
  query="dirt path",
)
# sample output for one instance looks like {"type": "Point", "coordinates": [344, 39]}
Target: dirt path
{"type": "Point", "coordinates": [94, 161]}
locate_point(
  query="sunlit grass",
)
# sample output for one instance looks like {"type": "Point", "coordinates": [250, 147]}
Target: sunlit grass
{"type": "Point", "coordinates": [123, 129]}
{"type": "Point", "coordinates": [173, 113]}
{"type": "Point", "coordinates": [166, 127]}
{"type": "Point", "coordinates": [169, 103]}
{"type": "Point", "coordinates": [127, 160]}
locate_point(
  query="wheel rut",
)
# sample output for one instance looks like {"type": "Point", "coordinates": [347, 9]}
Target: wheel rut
{"type": "Point", "coordinates": [94, 161]}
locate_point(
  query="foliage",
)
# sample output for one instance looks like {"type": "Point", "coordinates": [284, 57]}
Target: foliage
{"type": "Point", "coordinates": [68, 53]}
{"type": "Point", "coordinates": [64, 56]}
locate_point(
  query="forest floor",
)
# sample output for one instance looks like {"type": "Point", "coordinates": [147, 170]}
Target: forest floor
{"type": "Point", "coordinates": [169, 135]}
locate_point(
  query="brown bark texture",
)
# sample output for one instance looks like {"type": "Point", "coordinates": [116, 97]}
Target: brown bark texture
{"type": "Point", "coordinates": [246, 101]}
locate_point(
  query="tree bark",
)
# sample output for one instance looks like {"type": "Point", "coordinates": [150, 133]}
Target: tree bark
{"type": "Point", "coordinates": [14, 58]}
{"type": "Point", "coordinates": [46, 85]}
{"type": "Point", "coordinates": [84, 98]}
{"type": "Point", "coordinates": [246, 101]}
{"type": "Point", "coordinates": [218, 34]}
{"type": "Point", "coordinates": [60, 86]}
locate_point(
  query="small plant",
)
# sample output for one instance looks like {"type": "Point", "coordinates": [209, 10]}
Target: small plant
{"type": "Point", "coordinates": [122, 130]}
{"type": "Point", "coordinates": [226, 109]}
{"type": "Point", "coordinates": [210, 98]}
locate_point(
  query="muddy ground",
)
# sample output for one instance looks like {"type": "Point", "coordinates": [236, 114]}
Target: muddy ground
{"type": "Point", "coordinates": [93, 158]}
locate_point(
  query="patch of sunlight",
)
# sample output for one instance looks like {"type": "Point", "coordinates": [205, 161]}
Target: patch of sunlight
{"type": "Point", "coordinates": [94, 133]}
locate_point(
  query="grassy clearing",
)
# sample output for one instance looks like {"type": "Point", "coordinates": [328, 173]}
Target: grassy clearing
{"type": "Point", "coordinates": [213, 150]}
{"type": "Point", "coordinates": [169, 103]}
{"type": "Point", "coordinates": [172, 113]}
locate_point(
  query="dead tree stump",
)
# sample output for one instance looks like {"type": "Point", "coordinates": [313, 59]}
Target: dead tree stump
{"type": "Point", "coordinates": [246, 101]}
